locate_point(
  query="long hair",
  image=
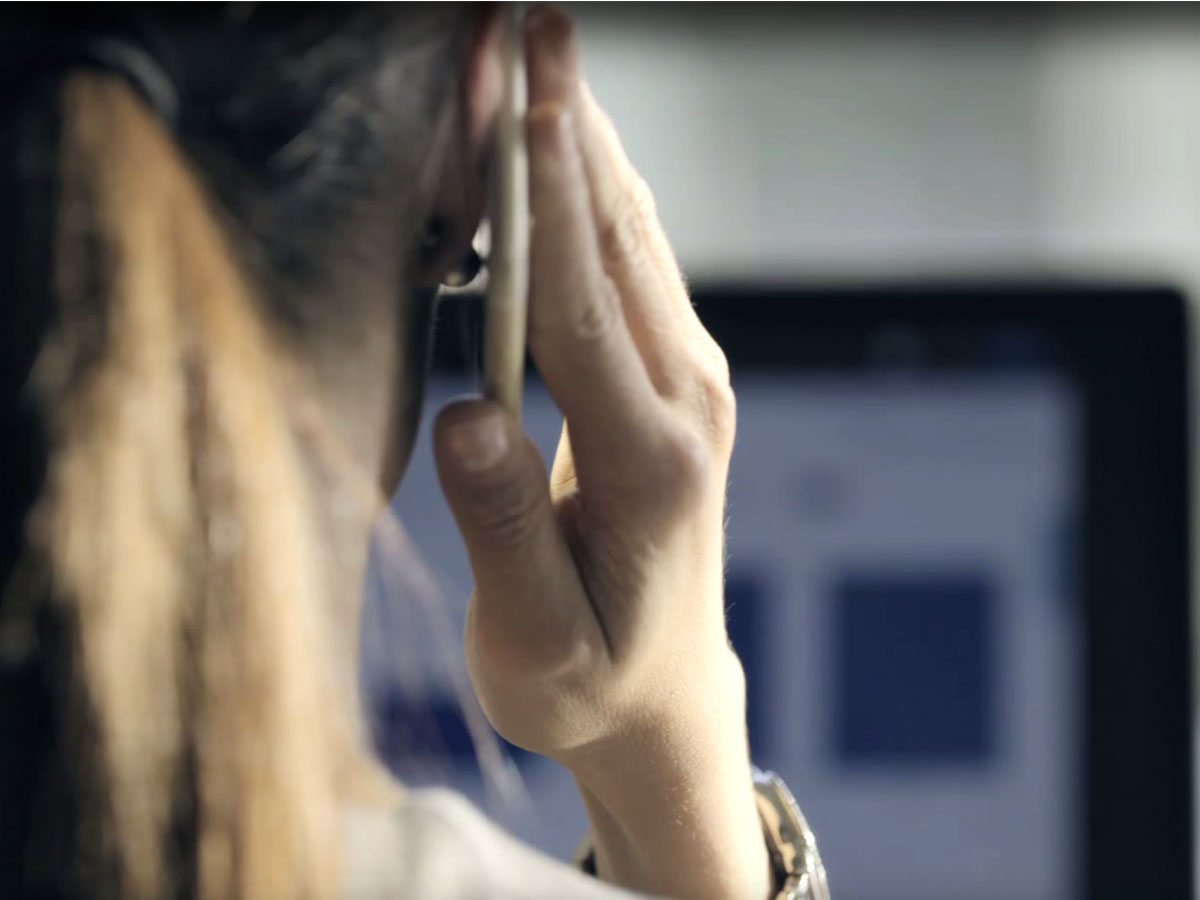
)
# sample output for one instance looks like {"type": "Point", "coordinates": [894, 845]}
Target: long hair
{"type": "Point", "coordinates": [198, 736]}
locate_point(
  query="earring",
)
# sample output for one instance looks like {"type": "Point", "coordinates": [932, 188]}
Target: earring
{"type": "Point", "coordinates": [433, 242]}
{"type": "Point", "coordinates": [466, 270]}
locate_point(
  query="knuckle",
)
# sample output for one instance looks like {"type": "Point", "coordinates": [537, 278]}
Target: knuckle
{"type": "Point", "coordinates": [716, 365]}
{"type": "Point", "coordinates": [591, 314]}
{"type": "Point", "coordinates": [718, 404]}
{"type": "Point", "coordinates": [684, 464]}
{"type": "Point", "coordinates": [557, 31]}
{"type": "Point", "coordinates": [641, 201]}
{"type": "Point", "coordinates": [621, 236]}
{"type": "Point", "coordinates": [596, 317]}
{"type": "Point", "coordinates": [712, 395]}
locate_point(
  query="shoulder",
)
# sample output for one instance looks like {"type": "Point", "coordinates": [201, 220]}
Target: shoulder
{"type": "Point", "coordinates": [437, 846]}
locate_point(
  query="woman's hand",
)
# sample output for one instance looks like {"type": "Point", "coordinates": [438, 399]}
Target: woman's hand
{"type": "Point", "coordinates": [596, 633]}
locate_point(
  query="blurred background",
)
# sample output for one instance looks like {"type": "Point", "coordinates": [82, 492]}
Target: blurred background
{"type": "Point", "coordinates": [948, 253]}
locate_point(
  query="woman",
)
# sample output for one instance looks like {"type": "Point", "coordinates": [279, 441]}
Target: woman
{"type": "Point", "coordinates": [225, 227]}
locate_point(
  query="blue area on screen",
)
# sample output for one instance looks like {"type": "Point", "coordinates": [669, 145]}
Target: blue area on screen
{"type": "Point", "coordinates": [913, 656]}
{"type": "Point", "coordinates": [433, 726]}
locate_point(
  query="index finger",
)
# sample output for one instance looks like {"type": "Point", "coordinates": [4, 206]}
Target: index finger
{"type": "Point", "coordinates": [577, 330]}
{"type": "Point", "coordinates": [634, 249]}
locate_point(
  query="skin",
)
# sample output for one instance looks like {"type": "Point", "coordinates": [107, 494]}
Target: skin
{"type": "Point", "coordinates": [596, 632]}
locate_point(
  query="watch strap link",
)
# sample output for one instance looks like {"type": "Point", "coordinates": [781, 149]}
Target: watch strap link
{"type": "Point", "coordinates": [799, 872]}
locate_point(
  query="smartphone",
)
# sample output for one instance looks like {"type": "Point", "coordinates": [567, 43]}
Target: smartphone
{"type": "Point", "coordinates": [506, 306]}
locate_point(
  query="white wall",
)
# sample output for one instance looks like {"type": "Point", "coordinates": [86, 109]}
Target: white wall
{"type": "Point", "coordinates": [890, 144]}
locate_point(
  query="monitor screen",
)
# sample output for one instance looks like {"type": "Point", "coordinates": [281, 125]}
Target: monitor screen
{"type": "Point", "coordinates": [900, 593]}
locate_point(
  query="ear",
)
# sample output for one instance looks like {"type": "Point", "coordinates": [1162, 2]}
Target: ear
{"type": "Point", "coordinates": [483, 73]}
{"type": "Point", "coordinates": [459, 201]}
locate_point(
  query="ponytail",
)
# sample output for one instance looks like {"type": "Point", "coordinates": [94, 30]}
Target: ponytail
{"type": "Point", "coordinates": [200, 743]}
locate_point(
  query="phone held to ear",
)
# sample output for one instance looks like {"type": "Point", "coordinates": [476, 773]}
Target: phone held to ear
{"type": "Point", "coordinates": [506, 310]}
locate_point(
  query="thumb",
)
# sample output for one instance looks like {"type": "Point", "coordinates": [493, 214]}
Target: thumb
{"type": "Point", "coordinates": [529, 603]}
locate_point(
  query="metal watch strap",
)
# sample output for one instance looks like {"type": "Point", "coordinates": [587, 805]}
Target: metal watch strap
{"type": "Point", "coordinates": [799, 872]}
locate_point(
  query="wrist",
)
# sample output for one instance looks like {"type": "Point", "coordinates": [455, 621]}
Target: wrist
{"type": "Point", "coordinates": [670, 795]}
{"type": "Point", "coordinates": [667, 718]}
{"type": "Point", "coordinates": [691, 839]}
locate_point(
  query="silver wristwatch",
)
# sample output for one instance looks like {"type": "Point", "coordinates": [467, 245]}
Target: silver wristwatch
{"type": "Point", "coordinates": [799, 873]}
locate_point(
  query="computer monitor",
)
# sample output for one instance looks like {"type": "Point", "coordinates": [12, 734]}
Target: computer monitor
{"type": "Point", "coordinates": [958, 579]}
{"type": "Point", "coordinates": [978, 541]}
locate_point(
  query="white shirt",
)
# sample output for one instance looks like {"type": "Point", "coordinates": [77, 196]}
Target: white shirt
{"type": "Point", "coordinates": [437, 846]}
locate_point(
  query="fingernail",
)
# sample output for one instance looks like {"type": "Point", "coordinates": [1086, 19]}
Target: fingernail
{"type": "Point", "coordinates": [478, 444]}
{"type": "Point", "coordinates": [536, 16]}
{"type": "Point", "coordinates": [548, 20]}
{"type": "Point", "coordinates": [550, 41]}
